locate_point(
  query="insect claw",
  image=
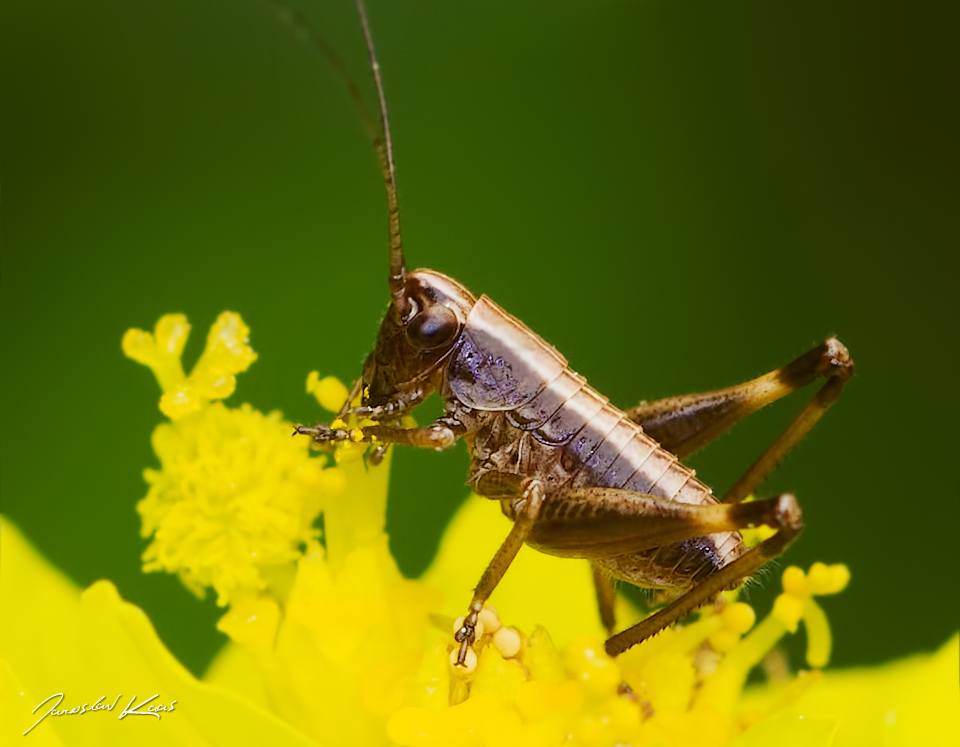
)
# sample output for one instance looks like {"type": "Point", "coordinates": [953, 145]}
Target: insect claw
{"type": "Point", "coordinates": [321, 434]}
{"type": "Point", "coordinates": [836, 360]}
{"type": "Point", "coordinates": [376, 456]}
{"type": "Point", "coordinates": [466, 635]}
{"type": "Point", "coordinates": [462, 653]}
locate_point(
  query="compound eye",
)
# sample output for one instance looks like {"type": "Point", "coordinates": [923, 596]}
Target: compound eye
{"type": "Point", "coordinates": [433, 327]}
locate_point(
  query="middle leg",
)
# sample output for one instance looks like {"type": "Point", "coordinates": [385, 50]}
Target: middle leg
{"type": "Point", "coordinates": [727, 577]}
{"type": "Point", "coordinates": [503, 486]}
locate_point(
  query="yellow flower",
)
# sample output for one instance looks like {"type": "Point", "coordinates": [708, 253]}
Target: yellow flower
{"type": "Point", "coordinates": [91, 643]}
{"type": "Point", "coordinates": [332, 646]}
{"type": "Point", "coordinates": [236, 497]}
{"type": "Point", "coordinates": [56, 639]}
{"type": "Point", "coordinates": [213, 378]}
{"type": "Point", "coordinates": [685, 685]}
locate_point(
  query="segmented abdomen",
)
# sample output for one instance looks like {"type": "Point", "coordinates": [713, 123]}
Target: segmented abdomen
{"type": "Point", "coordinates": [600, 447]}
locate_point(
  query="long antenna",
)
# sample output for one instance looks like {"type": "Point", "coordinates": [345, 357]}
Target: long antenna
{"type": "Point", "coordinates": [383, 145]}
{"type": "Point", "coordinates": [308, 34]}
{"type": "Point", "coordinates": [398, 265]}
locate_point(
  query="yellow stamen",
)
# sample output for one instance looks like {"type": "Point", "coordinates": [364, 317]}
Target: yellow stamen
{"type": "Point", "coordinates": [490, 619]}
{"type": "Point", "coordinates": [788, 609]}
{"type": "Point", "coordinates": [794, 581]}
{"type": "Point", "coordinates": [329, 391]}
{"type": "Point", "coordinates": [507, 641]}
{"type": "Point", "coordinates": [819, 640]}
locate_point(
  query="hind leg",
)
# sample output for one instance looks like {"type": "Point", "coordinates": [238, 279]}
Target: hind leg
{"type": "Point", "coordinates": [789, 524]}
{"type": "Point", "coordinates": [689, 422]}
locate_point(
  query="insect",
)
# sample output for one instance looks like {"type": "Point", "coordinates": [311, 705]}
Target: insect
{"type": "Point", "coordinates": [578, 477]}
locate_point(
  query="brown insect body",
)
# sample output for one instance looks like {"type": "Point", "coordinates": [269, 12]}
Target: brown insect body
{"type": "Point", "coordinates": [524, 412]}
{"type": "Point", "coordinates": [570, 436]}
{"type": "Point", "coordinates": [579, 477]}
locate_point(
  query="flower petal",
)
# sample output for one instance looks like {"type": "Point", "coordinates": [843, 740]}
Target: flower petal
{"type": "Point", "coordinates": [913, 701]}
{"type": "Point", "coordinates": [15, 701]}
{"type": "Point", "coordinates": [93, 643]}
{"type": "Point", "coordinates": [788, 729]}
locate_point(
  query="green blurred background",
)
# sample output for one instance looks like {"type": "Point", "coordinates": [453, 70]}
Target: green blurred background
{"type": "Point", "coordinates": [678, 195]}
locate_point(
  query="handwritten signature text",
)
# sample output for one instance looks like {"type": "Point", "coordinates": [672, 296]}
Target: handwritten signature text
{"type": "Point", "coordinates": [140, 709]}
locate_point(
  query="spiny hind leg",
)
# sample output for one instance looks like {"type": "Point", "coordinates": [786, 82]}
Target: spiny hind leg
{"type": "Point", "coordinates": [793, 434]}
{"type": "Point", "coordinates": [689, 422]}
{"type": "Point", "coordinates": [789, 525]}
{"type": "Point", "coordinates": [600, 523]}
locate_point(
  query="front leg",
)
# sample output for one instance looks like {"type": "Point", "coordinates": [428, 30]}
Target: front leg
{"type": "Point", "coordinates": [439, 435]}
{"type": "Point", "coordinates": [395, 408]}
